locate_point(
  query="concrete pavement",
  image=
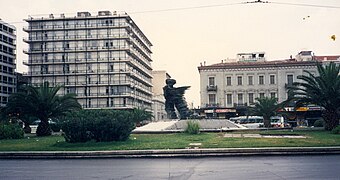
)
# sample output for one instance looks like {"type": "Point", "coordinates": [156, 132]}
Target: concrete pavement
{"type": "Point", "coordinates": [171, 126]}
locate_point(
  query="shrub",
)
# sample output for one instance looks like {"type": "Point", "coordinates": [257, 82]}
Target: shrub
{"type": "Point", "coordinates": [98, 125]}
{"type": "Point", "coordinates": [11, 131]}
{"type": "Point", "coordinates": [336, 130]}
{"type": "Point", "coordinates": [193, 127]}
{"type": "Point", "coordinates": [112, 125]}
{"type": "Point", "coordinates": [76, 127]}
{"type": "Point", "coordinates": [319, 123]}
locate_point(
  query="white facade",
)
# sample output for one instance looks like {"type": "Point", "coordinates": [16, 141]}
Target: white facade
{"type": "Point", "coordinates": [158, 99]}
{"type": "Point", "coordinates": [7, 61]}
{"type": "Point", "coordinates": [236, 84]}
{"type": "Point", "coordinates": [105, 59]}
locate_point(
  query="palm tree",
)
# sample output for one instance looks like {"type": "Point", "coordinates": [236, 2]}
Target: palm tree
{"type": "Point", "coordinates": [140, 115]}
{"type": "Point", "coordinates": [44, 103]}
{"type": "Point", "coordinates": [322, 90]}
{"type": "Point", "coordinates": [266, 107]}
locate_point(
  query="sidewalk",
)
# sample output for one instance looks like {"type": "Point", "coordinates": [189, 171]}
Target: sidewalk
{"type": "Point", "coordinates": [220, 152]}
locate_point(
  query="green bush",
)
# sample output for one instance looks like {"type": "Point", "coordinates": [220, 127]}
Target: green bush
{"type": "Point", "coordinates": [336, 130]}
{"type": "Point", "coordinates": [193, 127]}
{"type": "Point", "coordinates": [75, 129]}
{"type": "Point", "coordinates": [98, 125]}
{"type": "Point", "coordinates": [319, 123]}
{"type": "Point", "coordinates": [11, 131]}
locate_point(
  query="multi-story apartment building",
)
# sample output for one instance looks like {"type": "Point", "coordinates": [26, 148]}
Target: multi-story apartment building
{"type": "Point", "coordinates": [7, 61]}
{"type": "Point", "coordinates": [229, 86]}
{"type": "Point", "coordinates": [158, 106]}
{"type": "Point", "coordinates": [104, 58]}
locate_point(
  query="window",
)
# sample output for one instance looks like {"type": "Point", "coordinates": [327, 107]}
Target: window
{"type": "Point", "coordinates": [290, 79]}
{"type": "Point", "coordinates": [261, 79]}
{"type": "Point", "coordinates": [229, 99]}
{"type": "Point", "coordinates": [107, 91]}
{"type": "Point", "coordinates": [261, 95]}
{"type": "Point", "coordinates": [240, 98]}
{"type": "Point", "coordinates": [272, 79]}
{"type": "Point", "coordinates": [228, 81]}
{"type": "Point", "coordinates": [239, 80]}
{"type": "Point", "coordinates": [124, 102]}
{"type": "Point", "coordinates": [66, 68]}
{"type": "Point", "coordinates": [273, 95]}
{"type": "Point", "coordinates": [250, 80]}
{"type": "Point", "coordinates": [211, 81]}
{"type": "Point", "coordinates": [251, 98]}
{"type": "Point", "coordinates": [212, 98]}
{"type": "Point", "coordinates": [44, 69]}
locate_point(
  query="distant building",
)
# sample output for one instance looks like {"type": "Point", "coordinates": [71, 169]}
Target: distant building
{"type": "Point", "coordinates": [158, 99]}
{"type": "Point", "coordinates": [105, 59]}
{"type": "Point", "coordinates": [228, 88]}
{"type": "Point", "coordinates": [7, 61]}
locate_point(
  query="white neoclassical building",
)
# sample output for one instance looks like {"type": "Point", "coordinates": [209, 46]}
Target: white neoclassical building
{"type": "Point", "coordinates": [7, 61]}
{"type": "Point", "coordinates": [226, 86]}
{"type": "Point", "coordinates": [104, 58]}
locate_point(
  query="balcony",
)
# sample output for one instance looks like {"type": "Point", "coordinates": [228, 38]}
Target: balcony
{"type": "Point", "coordinates": [288, 85]}
{"type": "Point", "coordinates": [237, 105]}
{"type": "Point", "coordinates": [212, 88]}
{"type": "Point", "coordinates": [213, 105]}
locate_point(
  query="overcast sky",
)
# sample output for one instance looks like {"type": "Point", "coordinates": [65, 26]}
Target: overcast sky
{"type": "Point", "coordinates": [209, 31]}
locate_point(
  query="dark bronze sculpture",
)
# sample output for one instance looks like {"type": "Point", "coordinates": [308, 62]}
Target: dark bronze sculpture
{"type": "Point", "coordinates": [174, 97]}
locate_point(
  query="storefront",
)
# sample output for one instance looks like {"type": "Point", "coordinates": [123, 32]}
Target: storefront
{"type": "Point", "coordinates": [302, 116]}
{"type": "Point", "coordinates": [225, 113]}
{"type": "Point", "coordinates": [220, 113]}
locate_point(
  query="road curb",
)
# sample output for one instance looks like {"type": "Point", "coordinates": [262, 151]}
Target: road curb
{"type": "Point", "coordinates": [170, 153]}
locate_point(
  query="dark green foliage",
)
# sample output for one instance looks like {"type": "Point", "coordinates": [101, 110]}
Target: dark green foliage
{"type": "Point", "coordinates": [336, 130]}
{"type": "Point", "coordinates": [319, 123]}
{"type": "Point", "coordinates": [98, 125]}
{"type": "Point", "coordinates": [322, 90]}
{"type": "Point", "coordinates": [11, 131]}
{"type": "Point", "coordinates": [140, 115]}
{"type": "Point", "coordinates": [193, 127]}
{"type": "Point", "coordinates": [76, 129]}
{"type": "Point", "coordinates": [43, 103]}
{"type": "Point", "coordinates": [265, 107]}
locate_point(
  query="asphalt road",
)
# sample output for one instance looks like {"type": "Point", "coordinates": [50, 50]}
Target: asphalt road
{"type": "Point", "coordinates": [250, 167]}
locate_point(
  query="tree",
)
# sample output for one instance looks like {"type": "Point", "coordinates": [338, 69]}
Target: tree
{"type": "Point", "coordinates": [44, 103]}
{"type": "Point", "coordinates": [322, 90]}
{"type": "Point", "coordinates": [266, 107]}
{"type": "Point", "coordinates": [140, 115]}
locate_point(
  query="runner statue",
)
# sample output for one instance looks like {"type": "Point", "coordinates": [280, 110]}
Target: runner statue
{"type": "Point", "coordinates": [174, 97]}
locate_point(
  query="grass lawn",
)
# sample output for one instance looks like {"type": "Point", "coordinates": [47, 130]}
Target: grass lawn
{"type": "Point", "coordinates": [173, 141]}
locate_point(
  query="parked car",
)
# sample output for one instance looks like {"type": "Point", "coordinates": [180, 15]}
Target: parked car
{"type": "Point", "coordinates": [38, 121]}
{"type": "Point", "coordinates": [249, 121]}
{"type": "Point", "coordinates": [54, 125]}
{"type": "Point", "coordinates": [279, 121]}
